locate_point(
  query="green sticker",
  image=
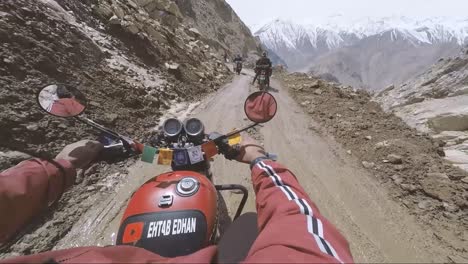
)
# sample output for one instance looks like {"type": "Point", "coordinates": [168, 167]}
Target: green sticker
{"type": "Point", "coordinates": [148, 154]}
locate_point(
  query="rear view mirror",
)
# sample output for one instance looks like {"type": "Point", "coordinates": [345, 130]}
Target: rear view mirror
{"type": "Point", "coordinates": [260, 107]}
{"type": "Point", "coordinates": [61, 101]}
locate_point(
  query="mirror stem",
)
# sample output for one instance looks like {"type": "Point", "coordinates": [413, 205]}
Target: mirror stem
{"type": "Point", "coordinates": [241, 130]}
{"type": "Point", "coordinates": [98, 126]}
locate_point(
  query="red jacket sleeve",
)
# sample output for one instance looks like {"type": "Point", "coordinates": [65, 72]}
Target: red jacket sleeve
{"type": "Point", "coordinates": [291, 228]}
{"type": "Point", "coordinates": [27, 189]}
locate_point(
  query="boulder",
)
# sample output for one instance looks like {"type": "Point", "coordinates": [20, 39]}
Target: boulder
{"type": "Point", "coordinates": [438, 186]}
{"type": "Point", "coordinates": [449, 122]}
{"type": "Point", "coordinates": [172, 65]}
{"type": "Point", "coordinates": [114, 20]}
{"type": "Point", "coordinates": [368, 165]}
{"type": "Point", "coordinates": [195, 32]}
{"type": "Point", "coordinates": [394, 159]}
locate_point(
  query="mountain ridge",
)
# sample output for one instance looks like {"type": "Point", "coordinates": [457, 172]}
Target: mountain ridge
{"type": "Point", "coordinates": [351, 51]}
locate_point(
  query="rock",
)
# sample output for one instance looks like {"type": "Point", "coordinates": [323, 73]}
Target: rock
{"type": "Point", "coordinates": [352, 108]}
{"type": "Point", "coordinates": [450, 207]}
{"type": "Point", "coordinates": [104, 10]}
{"type": "Point", "coordinates": [408, 187]}
{"type": "Point", "coordinates": [94, 103]}
{"type": "Point", "coordinates": [349, 152]}
{"type": "Point", "coordinates": [32, 127]}
{"type": "Point", "coordinates": [368, 138]}
{"type": "Point", "coordinates": [119, 12]}
{"type": "Point", "coordinates": [450, 216]}
{"type": "Point", "coordinates": [395, 159]}
{"type": "Point", "coordinates": [318, 92]}
{"type": "Point", "coordinates": [441, 152]}
{"type": "Point", "coordinates": [465, 180]}
{"type": "Point", "coordinates": [114, 20]}
{"type": "Point", "coordinates": [368, 165]}
{"type": "Point", "coordinates": [438, 185]}
{"type": "Point", "coordinates": [397, 179]}
{"type": "Point", "coordinates": [110, 118]}
{"type": "Point", "coordinates": [195, 32]}
{"type": "Point", "coordinates": [143, 2]}
{"type": "Point", "coordinates": [11, 158]}
{"type": "Point", "coordinates": [305, 103]}
{"type": "Point", "coordinates": [201, 75]}
{"type": "Point", "coordinates": [172, 66]}
{"type": "Point", "coordinates": [132, 28]}
{"type": "Point", "coordinates": [315, 84]}
{"type": "Point", "coordinates": [400, 167]}
{"type": "Point", "coordinates": [425, 204]}
{"type": "Point", "coordinates": [382, 144]}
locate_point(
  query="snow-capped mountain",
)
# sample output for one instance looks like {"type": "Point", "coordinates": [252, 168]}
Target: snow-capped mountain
{"type": "Point", "coordinates": [344, 46]}
{"type": "Point", "coordinates": [339, 32]}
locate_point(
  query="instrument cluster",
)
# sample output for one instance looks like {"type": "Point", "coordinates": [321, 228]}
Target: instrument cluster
{"type": "Point", "coordinates": [192, 127]}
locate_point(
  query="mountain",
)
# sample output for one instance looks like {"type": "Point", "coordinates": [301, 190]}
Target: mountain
{"type": "Point", "coordinates": [436, 102]}
{"type": "Point", "coordinates": [357, 52]}
{"type": "Point", "coordinates": [219, 25]}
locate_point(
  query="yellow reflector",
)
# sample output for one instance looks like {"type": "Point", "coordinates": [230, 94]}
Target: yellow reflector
{"type": "Point", "coordinates": [235, 139]}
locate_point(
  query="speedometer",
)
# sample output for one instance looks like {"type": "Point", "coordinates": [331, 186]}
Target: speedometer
{"type": "Point", "coordinates": [194, 127]}
{"type": "Point", "coordinates": [172, 127]}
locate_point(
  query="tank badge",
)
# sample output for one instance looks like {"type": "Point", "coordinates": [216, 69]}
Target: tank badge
{"type": "Point", "coordinates": [166, 200]}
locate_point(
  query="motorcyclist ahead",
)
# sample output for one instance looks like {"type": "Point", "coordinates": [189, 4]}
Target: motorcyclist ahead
{"type": "Point", "coordinates": [238, 60]}
{"type": "Point", "coordinates": [263, 63]}
{"type": "Point", "coordinates": [291, 228]}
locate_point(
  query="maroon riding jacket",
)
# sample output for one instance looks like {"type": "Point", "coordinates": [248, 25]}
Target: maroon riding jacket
{"type": "Point", "coordinates": [291, 228]}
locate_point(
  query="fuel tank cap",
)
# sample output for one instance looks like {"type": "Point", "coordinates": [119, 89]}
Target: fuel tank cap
{"type": "Point", "coordinates": [187, 186]}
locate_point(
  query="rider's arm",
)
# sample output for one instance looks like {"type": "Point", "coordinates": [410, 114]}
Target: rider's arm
{"type": "Point", "coordinates": [291, 228]}
{"type": "Point", "coordinates": [28, 188]}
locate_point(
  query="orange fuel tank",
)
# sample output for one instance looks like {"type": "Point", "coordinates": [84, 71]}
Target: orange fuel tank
{"type": "Point", "coordinates": [173, 214]}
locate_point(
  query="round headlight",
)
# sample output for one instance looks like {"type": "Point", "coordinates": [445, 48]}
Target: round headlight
{"type": "Point", "coordinates": [172, 127]}
{"type": "Point", "coordinates": [194, 127]}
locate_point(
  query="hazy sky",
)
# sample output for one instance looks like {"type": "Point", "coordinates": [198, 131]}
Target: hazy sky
{"type": "Point", "coordinates": [255, 12]}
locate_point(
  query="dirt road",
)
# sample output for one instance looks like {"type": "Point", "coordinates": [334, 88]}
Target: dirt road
{"type": "Point", "coordinates": [379, 230]}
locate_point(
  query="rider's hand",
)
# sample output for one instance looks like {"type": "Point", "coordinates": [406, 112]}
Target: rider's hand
{"type": "Point", "coordinates": [81, 154]}
{"type": "Point", "coordinates": [250, 150]}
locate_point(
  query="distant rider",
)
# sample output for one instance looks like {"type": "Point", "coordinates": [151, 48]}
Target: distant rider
{"type": "Point", "coordinates": [263, 63]}
{"type": "Point", "coordinates": [236, 60]}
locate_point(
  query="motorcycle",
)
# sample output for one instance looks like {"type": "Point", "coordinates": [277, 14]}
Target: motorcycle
{"type": "Point", "coordinates": [263, 80]}
{"type": "Point", "coordinates": [238, 67]}
{"type": "Point", "coordinates": [175, 213]}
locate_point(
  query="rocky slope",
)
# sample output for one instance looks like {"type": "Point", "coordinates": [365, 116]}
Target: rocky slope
{"type": "Point", "coordinates": [408, 162]}
{"type": "Point", "coordinates": [134, 60]}
{"type": "Point", "coordinates": [130, 58]}
{"type": "Point", "coordinates": [368, 53]}
{"type": "Point", "coordinates": [219, 25]}
{"type": "Point", "coordinates": [436, 102]}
